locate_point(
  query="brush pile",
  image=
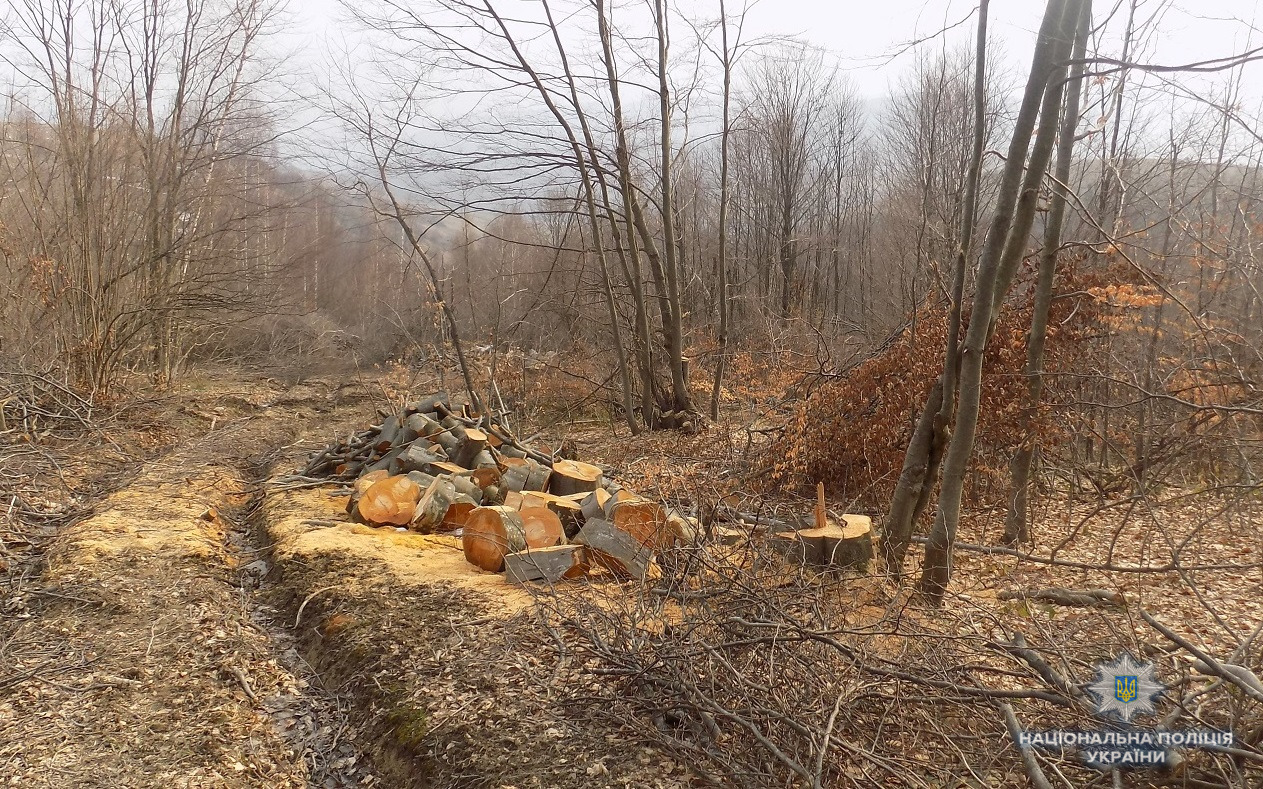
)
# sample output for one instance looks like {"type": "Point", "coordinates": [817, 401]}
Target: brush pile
{"type": "Point", "coordinates": [439, 466]}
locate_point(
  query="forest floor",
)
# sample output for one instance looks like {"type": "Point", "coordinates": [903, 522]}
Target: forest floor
{"type": "Point", "coordinates": [184, 617]}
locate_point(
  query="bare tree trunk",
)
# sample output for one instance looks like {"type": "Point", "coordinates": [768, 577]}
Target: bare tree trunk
{"type": "Point", "coordinates": [1005, 243]}
{"type": "Point", "coordinates": [644, 339]}
{"type": "Point", "coordinates": [590, 200]}
{"type": "Point", "coordinates": [924, 455]}
{"type": "Point", "coordinates": [673, 333]}
{"type": "Point", "coordinates": [1016, 527]}
{"type": "Point", "coordinates": [721, 359]}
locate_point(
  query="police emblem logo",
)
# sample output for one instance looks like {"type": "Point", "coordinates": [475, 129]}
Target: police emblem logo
{"type": "Point", "coordinates": [1126, 687]}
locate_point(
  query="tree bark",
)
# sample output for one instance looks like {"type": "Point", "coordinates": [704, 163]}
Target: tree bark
{"type": "Point", "coordinates": [1006, 240]}
{"type": "Point", "coordinates": [1016, 522]}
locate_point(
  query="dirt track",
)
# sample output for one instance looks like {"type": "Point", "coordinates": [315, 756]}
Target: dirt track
{"type": "Point", "coordinates": [157, 645]}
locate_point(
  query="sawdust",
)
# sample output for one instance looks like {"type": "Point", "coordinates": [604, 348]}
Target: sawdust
{"type": "Point", "coordinates": [176, 519]}
{"type": "Point", "coordinates": [412, 559]}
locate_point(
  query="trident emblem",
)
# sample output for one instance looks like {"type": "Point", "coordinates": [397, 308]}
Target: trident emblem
{"type": "Point", "coordinates": [1125, 688]}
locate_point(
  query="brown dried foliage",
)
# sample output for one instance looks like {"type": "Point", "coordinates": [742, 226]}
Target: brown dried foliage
{"type": "Point", "coordinates": [851, 433]}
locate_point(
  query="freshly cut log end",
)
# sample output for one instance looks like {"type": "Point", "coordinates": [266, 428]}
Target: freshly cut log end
{"type": "Point", "coordinates": [571, 476]}
{"type": "Point", "coordinates": [646, 521]}
{"type": "Point", "coordinates": [551, 565]}
{"type": "Point", "coordinates": [457, 516]}
{"type": "Point", "coordinates": [389, 502]}
{"type": "Point", "coordinates": [359, 488]}
{"type": "Point", "coordinates": [471, 445]}
{"type": "Point", "coordinates": [567, 509]}
{"type": "Point", "coordinates": [491, 533]}
{"type": "Point", "coordinates": [541, 527]}
{"type": "Point", "coordinates": [845, 545]}
{"type": "Point", "coordinates": [485, 477]}
{"type": "Point", "coordinates": [615, 550]}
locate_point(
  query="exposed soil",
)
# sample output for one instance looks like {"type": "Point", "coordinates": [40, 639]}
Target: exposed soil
{"type": "Point", "coordinates": [212, 622]}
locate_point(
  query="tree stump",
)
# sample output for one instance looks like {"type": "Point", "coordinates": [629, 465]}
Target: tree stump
{"type": "Point", "coordinates": [845, 545]}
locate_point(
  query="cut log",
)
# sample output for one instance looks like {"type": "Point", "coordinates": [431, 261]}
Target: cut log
{"type": "Point", "coordinates": [422, 479]}
{"type": "Point", "coordinates": [386, 436]}
{"type": "Point", "coordinates": [485, 459]}
{"type": "Point", "coordinates": [514, 499]}
{"type": "Point", "coordinates": [432, 508]}
{"type": "Point", "coordinates": [457, 516]}
{"type": "Point", "coordinates": [508, 450]}
{"type": "Point", "coordinates": [390, 502]}
{"type": "Point", "coordinates": [524, 474]}
{"type": "Point", "coordinates": [614, 549]}
{"type": "Point", "coordinates": [593, 505]}
{"type": "Point", "coordinates": [644, 520]}
{"type": "Point", "coordinates": [571, 476]}
{"type": "Point", "coordinates": [485, 477]}
{"type": "Point", "coordinates": [423, 426]}
{"type": "Point", "coordinates": [430, 403]}
{"type": "Point", "coordinates": [359, 488]}
{"type": "Point", "coordinates": [566, 509]}
{"type": "Point", "coordinates": [418, 458]}
{"type": "Point", "coordinates": [467, 487]}
{"type": "Point", "coordinates": [726, 535]}
{"type": "Point", "coordinates": [447, 467]}
{"type": "Point", "coordinates": [389, 461]}
{"type": "Point", "coordinates": [542, 527]}
{"type": "Point", "coordinates": [558, 563]}
{"type": "Point", "coordinates": [471, 444]}
{"type": "Point", "coordinates": [492, 532]}
{"type": "Point", "coordinates": [684, 529]}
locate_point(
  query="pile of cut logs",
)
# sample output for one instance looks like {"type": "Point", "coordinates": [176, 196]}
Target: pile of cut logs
{"type": "Point", "coordinates": [440, 467]}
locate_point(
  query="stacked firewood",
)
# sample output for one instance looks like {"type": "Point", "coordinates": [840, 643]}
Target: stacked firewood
{"type": "Point", "coordinates": [441, 467]}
